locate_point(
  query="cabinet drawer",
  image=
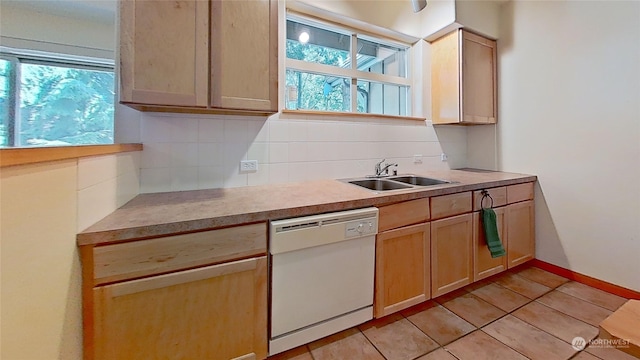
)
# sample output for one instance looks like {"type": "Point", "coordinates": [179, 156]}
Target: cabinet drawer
{"type": "Point", "coordinates": [499, 196]}
{"type": "Point", "coordinates": [402, 214]}
{"type": "Point", "coordinates": [520, 192]}
{"type": "Point", "coordinates": [147, 257]}
{"type": "Point", "coordinates": [450, 205]}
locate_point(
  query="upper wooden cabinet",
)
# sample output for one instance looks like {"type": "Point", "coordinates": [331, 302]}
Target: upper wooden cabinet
{"type": "Point", "coordinates": [463, 79]}
{"type": "Point", "coordinates": [199, 56]}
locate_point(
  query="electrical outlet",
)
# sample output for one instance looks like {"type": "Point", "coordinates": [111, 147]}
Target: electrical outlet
{"type": "Point", "coordinates": [248, 166]}
{"type": "Point", "coordinates": [417, 159]}
{"type": "Point", "coordinates": [443, 157]}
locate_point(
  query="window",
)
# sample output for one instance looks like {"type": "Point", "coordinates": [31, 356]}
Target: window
{"type": "Point", "coordinates": [47, 101]}
{"type": "Point", "coordinates": [321, 74]}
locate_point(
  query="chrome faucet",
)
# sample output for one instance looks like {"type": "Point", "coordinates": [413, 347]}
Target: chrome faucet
{"type": "Point", "coordinates": [383, 169]}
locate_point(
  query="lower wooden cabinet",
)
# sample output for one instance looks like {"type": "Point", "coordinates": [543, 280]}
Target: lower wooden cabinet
{"type": "Point", "coordinates": [199, 295]}
{"type": "Point", "coordinates": [214, 312]}
{"type": "Point", "coordinates": [402, 268]}
{"type": "Point", "coordinates": [483, 264]}
{"type": "Point", "coordinates": [520, 233]}
{"type": "Point", "coordinates": [451, 254]}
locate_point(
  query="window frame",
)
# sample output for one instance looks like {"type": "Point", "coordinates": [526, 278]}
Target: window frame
{"type": "Point", "coordinates": [352, 72]}
{"type": "Point", "coordinates": [18, 57]}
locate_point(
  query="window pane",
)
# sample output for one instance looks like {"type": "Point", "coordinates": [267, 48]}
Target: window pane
{"type": "Point", "coordinates": [5, 101]}
{"type": "Point", "coordinates": [65, 106]}
{"type": "Point", "coordinates": [385, 99]}
{"type": "Point", "coordinates": [381, 58]}
{"type": "Point", "coordinates": [323, 46]}
{"type": "Point", "coordinates": [307, 91]}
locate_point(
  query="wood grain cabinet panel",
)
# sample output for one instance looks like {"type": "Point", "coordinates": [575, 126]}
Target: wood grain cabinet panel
{"type": "Point", "coordinates": [520, 232]}
{"type": "Point", "coordinates": [134, 259]}
{"type": "Point", "coordinates": [191, 296]}
{"type": "Point", "coordinates": [463, 75]}
{"type": "Point", "coordinates": [483, 264]}
{"type": "Point", "coordinates": [498, 194]}
{"type": "Point", "coordinates": [450, 205]}
{"type": "Point", "coordinates": [199, 56]}
{"type": "Point", "coordinates": [403, 214]}
{"type": "Point", "coordinates": [451, 254]}
{"type": "Point", "coordinates": [519, 192]}
{"type": "Point", "coordinates": [244, 54]}
{"type": "Point", "coordinates": [216, 312]}
{"type": "Point", "coordinates": [402, 268]}
{"type": "Point", "coordinates": [163, 52]}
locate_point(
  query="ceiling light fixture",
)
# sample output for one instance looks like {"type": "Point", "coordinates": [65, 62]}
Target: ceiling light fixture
{"type": "Point", "coordinates": [418, 5]}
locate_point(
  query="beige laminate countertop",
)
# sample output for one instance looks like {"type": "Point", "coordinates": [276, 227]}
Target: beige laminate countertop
{"type": "Point", "coordinates": [161, 214]}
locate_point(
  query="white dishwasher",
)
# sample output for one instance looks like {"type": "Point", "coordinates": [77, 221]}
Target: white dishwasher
{"type": "Point", "coordinates": [322, 270]}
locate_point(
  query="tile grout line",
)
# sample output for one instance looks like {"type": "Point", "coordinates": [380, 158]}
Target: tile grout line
{"type": "Point", "coordinates": [486, 333]}
{"type": "Point", "coordinates": [571, 316]}
{"type": "Point", "coordinates": [427, 335]}
{"type": "Point", "coordinates": [592, 303]}
{"type": "Point", "coordinates": [466, 290]}
{"type": "Point", "coordinates": [370, 342]}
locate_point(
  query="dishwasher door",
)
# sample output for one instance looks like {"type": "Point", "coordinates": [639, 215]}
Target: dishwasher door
{"type": "Point", "coordinates": [322, 275]}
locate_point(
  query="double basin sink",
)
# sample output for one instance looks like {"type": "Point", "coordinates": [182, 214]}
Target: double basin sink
{"type": "Point", "coordinates": [397, 182]}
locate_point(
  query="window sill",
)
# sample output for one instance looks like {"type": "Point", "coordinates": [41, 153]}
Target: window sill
{"type": "Point", "coordinates": [351, 115]}
{"type": "Point", "coordinates": [32, 155]}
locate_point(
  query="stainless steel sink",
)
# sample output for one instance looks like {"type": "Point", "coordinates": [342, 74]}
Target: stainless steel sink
{"type": "Point", "coordinates": [379, 184]}
{"type": "Point", "coordinates": [418, 180]}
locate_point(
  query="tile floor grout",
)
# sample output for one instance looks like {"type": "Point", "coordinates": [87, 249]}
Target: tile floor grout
{"type": "Point", "coordinates": [467, 290]}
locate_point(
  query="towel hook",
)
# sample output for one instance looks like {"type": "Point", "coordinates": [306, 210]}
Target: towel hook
{"type": "Point", "coordinates": [485, 194]}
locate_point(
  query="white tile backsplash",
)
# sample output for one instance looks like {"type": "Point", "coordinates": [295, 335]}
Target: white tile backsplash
{"type": "Point", "coordinates": [211, 130]}
{"type": "Point", "coordinates": [184, 154]}
{"type": "Point", "coordinates": [96, 169]}
{"type": "Point", "coordinates": [199, 152]}
{"type": "Point", "coordinates": [184, 178]}
{"type": "Point", "coordinates": [259, 151]}
{"type": "Point", "coordinates": [154, 180]}
{"type": "Point", "coordinates": [210, 177]}
{"type": "Point", "coordinates": [104, 184]}
{"type": "Point", "coordinates": [210, 154]}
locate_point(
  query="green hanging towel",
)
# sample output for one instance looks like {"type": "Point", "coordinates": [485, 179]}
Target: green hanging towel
{"type": "Point", "coordinates": [491, 233]}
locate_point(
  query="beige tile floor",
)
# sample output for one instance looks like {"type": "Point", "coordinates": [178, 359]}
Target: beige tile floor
{"type": "Point", "coordinates": [527, 313]}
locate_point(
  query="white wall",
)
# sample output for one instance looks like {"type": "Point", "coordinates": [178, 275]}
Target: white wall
{"type": "Point", "coordinates": [42, 208]}
{"type": "Point", "coordinates": [480, 16]}
{"type": "Point", "coordinates": [185, 152]}
{"type": "Point", "coordinates": [389, 14]}
{"type": "Point", "coordinates": [569, 112]}
{"type": "Point", "coordinates": [24, 27]}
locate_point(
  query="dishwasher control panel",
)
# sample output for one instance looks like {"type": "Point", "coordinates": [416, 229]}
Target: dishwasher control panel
{"type": "Point", "coordinates": [360, 228]}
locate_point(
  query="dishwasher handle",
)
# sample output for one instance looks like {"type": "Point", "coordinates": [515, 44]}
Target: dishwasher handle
{"type": "Point", "coordinates": [301, 233]}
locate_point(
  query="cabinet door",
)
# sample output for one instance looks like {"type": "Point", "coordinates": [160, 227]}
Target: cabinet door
{"type": "Point", "coordinates": [445, 79]}
{"type": "Point", "coordinates": [402, 268]}
{"type": "Point", "coordinates": [483, 264]}
{"type": "Point", "coordinates": [216, 312]}
{"type": "Point", "coordinates": [244, 54]}
{"type": "Point", "coordinates": [451, 254]}
{"type": "Point", "coordinates": [520, 232]}
{"type": "Point", "coordinates": [479, 90]}
{"type": "Point", "coordinates": [164, 52]}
